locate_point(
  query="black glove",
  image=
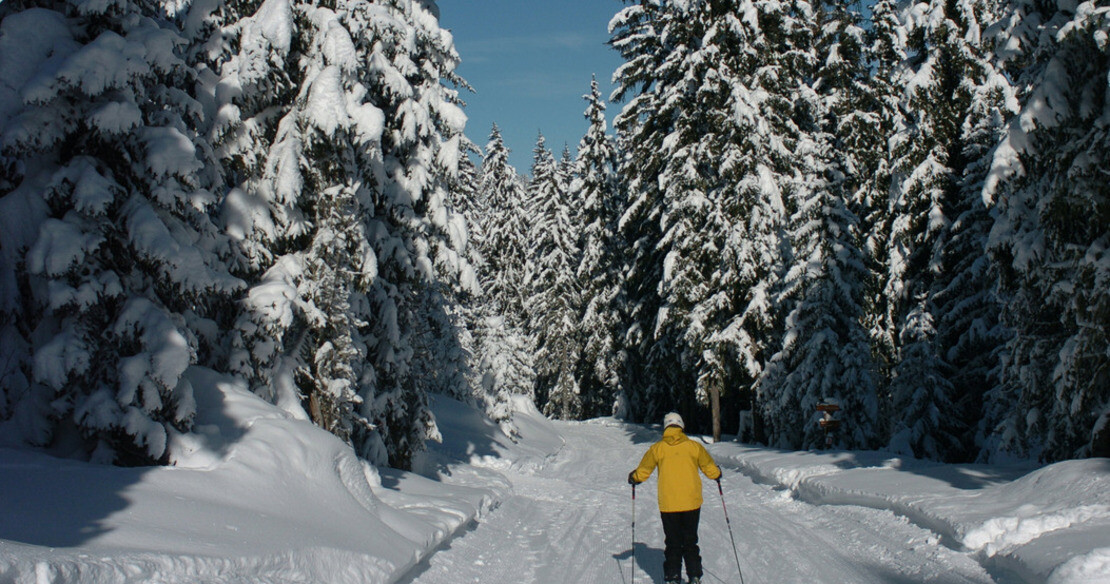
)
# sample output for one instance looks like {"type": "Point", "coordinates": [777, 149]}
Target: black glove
{"type": "Point", "coordinates": [632, 478]}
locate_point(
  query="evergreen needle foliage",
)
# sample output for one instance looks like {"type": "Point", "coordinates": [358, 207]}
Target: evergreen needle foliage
{"type": "Point", "coordinates": [901, 208]}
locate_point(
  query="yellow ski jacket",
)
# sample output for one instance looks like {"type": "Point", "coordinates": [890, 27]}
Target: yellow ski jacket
{"type": "Point", "coordinates": [678, 459]}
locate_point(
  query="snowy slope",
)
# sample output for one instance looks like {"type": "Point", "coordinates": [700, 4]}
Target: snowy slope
{"type": "Point", "coordinates": [265, 497]}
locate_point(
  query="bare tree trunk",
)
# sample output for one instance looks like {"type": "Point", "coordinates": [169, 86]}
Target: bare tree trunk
{"type": "Point", "coordinates": [715, 409]}
{"type": "Point", "coordinates": [315, 412]}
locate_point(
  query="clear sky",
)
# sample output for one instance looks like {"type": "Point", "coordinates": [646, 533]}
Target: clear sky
{"type": "Point", "coordinates": [530, 63]}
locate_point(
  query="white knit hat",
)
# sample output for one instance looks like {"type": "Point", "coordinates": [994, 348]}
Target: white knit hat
{"type": "Point", "coordinates": [673, 419]}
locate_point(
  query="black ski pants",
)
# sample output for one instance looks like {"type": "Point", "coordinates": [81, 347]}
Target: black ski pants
{"type": "Point", "coordinates": [680, 531]}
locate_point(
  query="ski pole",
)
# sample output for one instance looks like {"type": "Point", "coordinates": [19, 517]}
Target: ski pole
{"type": "Point", "coordinates": [633, 534]}
{"type": "Point", "coordinates": [729, 524]}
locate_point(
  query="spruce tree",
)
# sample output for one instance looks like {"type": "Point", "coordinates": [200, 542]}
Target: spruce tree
{"type": "Point", "coordinates": [677, 127]}
{"type": "Point", "coordinates": [759, 172]}
{"type": "Point", "coordinates": [503, 351]}
{"type": "Point", "coordinates": [564, 170]}
{"type": "Point", "coordinates": [638, 35]}
{"type": "Point", "coordinates": [939, 79]}
{"type": "Point", "coordinates": [446, 315]}
{"type": "Point", "coordinates": [1048, 186]}
{"type": "Point", "coordinates": [492, 358]}
{"type": "Point", "coordinates": [553, 290]}
{"type": "Point", "coordinates": [693, 221]}
{"type": "Point", "coordinates": [503, 245]}
{"type": "Point", "coordinates": [826, 352]}
{"type": "Point", "coordinates": [595, 192]}
{"type": "Point", "coordinates": [970, 334]}
{"type": "Point", "coordinates": [886, 48]}
{"type": "Point", "coordinates": [114, 282]}
{"type": "Point", "coordinates": [422, 143]}
{"type": "Point", "coordinates": [353, 193]}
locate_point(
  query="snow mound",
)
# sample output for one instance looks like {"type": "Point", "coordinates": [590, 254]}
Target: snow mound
{"type": "Point", "coordinates": [1043, 524]}
{"type": "Point", "coordinates": [1090, 568]}
{"type": "Point", "coordinates": [470, 436]}
{"type": "Point", "coordinates": [1001, 533]}
{"type": "Point", "coordinates": [255, 495]}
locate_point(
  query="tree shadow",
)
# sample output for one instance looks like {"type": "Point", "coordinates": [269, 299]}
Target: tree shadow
{"type": "Point", "coordinates": [649, 561]}
{"type": "Point", "coordinates": [766, 571]}
{"type": "Point", "coordinates": [972, 477]}
{"type": "Point", "coordinates": [466, 434]}
{"type": "Point", "coordinates": [58, 502]}
{"type": "Point", "coordinates": [642, 433]}
{"type": "Point", "coordinates": [968, 476]}
{"type": "Point", "coordinates": [215, 428]}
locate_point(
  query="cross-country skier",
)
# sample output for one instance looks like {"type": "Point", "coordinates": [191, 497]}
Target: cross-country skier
{"type": "Point", "coordinates": [678, 459]}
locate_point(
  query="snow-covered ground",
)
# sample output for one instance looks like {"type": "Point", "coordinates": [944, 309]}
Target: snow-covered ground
{"type": "Point", "coordinates": [1023, 523]}
{"type": "Point", "coordinates": [266, 497]}
{"type": "Point", "coordinates": [263, 497]}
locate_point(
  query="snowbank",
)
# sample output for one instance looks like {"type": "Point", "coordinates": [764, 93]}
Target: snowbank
{"type": "Point", "coordinates": [1036, 524]}
{"type": "Point", "coordinates": [256, 495]}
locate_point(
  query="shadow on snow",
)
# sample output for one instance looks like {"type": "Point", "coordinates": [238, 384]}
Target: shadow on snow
{"type": "Point", "coordinates": [60, 503]}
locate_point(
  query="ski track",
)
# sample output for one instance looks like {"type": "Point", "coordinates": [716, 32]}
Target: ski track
{"type": "Point", "coordinates": [571, 521]}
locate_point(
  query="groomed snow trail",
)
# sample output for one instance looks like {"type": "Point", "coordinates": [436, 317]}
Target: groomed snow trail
{"type": "Point", "coordinates": [571, 522]}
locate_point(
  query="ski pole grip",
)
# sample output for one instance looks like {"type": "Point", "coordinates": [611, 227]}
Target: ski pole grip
{"type": "Point", "coordinates": [719, 488]}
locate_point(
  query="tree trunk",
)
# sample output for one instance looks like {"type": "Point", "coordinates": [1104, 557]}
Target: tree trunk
{"type": "Point", "coordinates": [715, 408]}
{"type": "Point", "coordinates": [315, 412]}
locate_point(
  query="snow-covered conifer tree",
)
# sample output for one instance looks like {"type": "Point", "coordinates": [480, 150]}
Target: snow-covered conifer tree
{"type": "Point", "coordinates": [503, 355]}
{"type": "Point", "coordinates": [595, 192]}
{"type": "Point", "coordinates": [353, 191]}
{"type": "Point", "coordinates": [447, 316]}
{"type": "Point", "coordinates": [255, 57]}
{"type": "Point", "coordinates": [711, 135]}
{"type": "Point", "coordinates": [469, 200]}
{"type": "Point", "coordinates": [564, 170]}
{"type": "Point", "coordinates": [940, 80]}
{"type": "Point", "coordinates": [504, 362]}
{"type": "Point", "coordinates": [759, 170]}
{"type": "Point", "coordinates": [553, 290]}
{"type": "Point", "coordinates": [677, 126]}
{"type": "Point", "coordinates": [300, 219]}
{"type": "Point", "coordinates": [969, 330]}
{"type": "Point", "coordinates": [472, 355]}
{"type": "Point", "coordinates": [924, 144]}
{"type": "Point", "coordinates": [886, 50]}
{"type": "Point", "coordinates": [920, 392]}
{"type": "Point", "coordinates": [637, 33]}
{"type": "Point", "coordinates": [422, 144]}
{"type": "Point", "coordinates": [826, 351]}
{"type": "Point", "coordinates": [1048, 186]}
{"type": "Point", "coordinates": [503, 244]}
{"type": "Point", "coordinates": [113, 272]}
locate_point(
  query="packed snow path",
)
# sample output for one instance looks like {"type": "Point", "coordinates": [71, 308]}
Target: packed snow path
{"type": "Point", "coordinates": [570, 522]}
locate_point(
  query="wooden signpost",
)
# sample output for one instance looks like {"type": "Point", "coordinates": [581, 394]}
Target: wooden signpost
{"type": "Point", "coordinates": [828, 423]}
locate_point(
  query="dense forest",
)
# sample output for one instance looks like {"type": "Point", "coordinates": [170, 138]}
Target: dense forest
{"type": "Point", "coordinates": [901, 207]}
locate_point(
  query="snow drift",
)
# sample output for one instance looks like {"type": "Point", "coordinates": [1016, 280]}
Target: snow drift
{"type": "Point", "coordinates": [256, 496]}
{"type": "Point", "coordinates": [1035, 524]}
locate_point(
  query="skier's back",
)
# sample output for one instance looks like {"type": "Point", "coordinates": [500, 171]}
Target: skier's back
{"type": "Point", "coordinates": [679, 459]}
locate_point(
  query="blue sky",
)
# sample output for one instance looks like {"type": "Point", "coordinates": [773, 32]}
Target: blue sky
{"type": "Point", "coordinates": [530, 63]}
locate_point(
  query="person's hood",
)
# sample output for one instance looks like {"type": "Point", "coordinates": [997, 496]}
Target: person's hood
{"type": "Point", "coordinates": [674, 435]}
